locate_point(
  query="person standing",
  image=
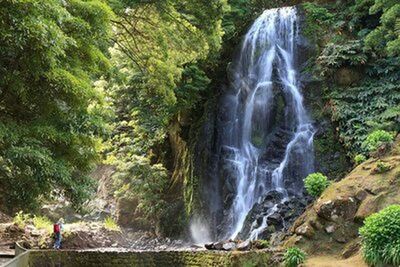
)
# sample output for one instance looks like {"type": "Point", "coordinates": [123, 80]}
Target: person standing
{"type": "Point", "coordinates": [57, 228]}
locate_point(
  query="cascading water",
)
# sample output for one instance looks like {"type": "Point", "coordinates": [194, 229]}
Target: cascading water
{"type": "Point", "coordinates": [265, 138]}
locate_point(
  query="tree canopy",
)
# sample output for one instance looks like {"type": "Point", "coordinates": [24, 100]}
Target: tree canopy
{"type": "Point", "coordinates": [50, 119]}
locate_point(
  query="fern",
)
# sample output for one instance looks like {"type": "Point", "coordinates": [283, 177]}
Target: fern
{"type": "Point", "coordinates": [337, 55]}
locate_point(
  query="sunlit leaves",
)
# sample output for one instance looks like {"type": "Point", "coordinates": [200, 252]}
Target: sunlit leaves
{"type": "Point", "coordinates": [49, 130]}
{"type": "Point", "coordinates": [156, 76]}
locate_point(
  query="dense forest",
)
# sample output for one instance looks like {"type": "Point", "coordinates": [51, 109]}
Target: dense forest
{"type": "Point", "coordinates": [135, 85]}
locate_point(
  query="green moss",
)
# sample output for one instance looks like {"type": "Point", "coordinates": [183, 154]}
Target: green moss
{"type": "Point", "coordinates": [360, 158]}
{"type": "Point", "coordinates": [382, 167]}
{"type": "Point", "coordinates": [260, 244]}
{"type": "Point", "coordinates": [257, 138]}
{"type": "Point", "coordinates": [330, 155]}
{"type": "Point", "coordinates": [149, 258]}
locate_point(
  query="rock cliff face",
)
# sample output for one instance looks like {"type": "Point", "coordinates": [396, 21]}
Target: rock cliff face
{"type": "Point", "coordinates": [330, 224]}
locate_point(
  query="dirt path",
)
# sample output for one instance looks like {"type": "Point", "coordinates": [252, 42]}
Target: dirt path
{"type": "Point", "coordinates": [328, 261]}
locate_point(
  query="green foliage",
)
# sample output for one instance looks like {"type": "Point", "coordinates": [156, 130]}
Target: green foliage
{"type": "Point", "coordinates": [360, 158]}
{"type": "Point", "coordinates": [376, 139]}
{"type": "Point", "coordinates": [384, 39]}
{"type": "Point", "coordinates": [317, 19]}
{"type": "Point", "coordinates": [194, 81]}
{"type": "Point", "coordinates": [372, 101]}
{"type": "Point", "coordinates": [233, 20]}
{"type": "Point", "coordinates": [173, 34]}
{"type": "Point", "coordinates": [42, 222]}
{"type": "Point", "coordinates": [359, 110]}
{"type": "Point", "coordinates": [336, 55]}
{"type": "Point", "coordinates": [159, 75]}
{"type": "Point", "coordinates": [110, 224]}
{"type": "Point", "coordinates": [240, 14]}
{"type": "Point", "coordinates": [293, 257]}
{"type": "Point", "coordinates": [316, 183]}
{"type": "Point", "coordinates": [260, 244]}
{"type": "Point", "coordinates": [380, 237]}
{"type": "Point", "coordinates": [21, 219]}
{"type": "Point", "coordinates": [50, 117]}
{"type": "Point", "coordinates": [140, 179]}
{"type": "Point", "coordinates": [382, 167]}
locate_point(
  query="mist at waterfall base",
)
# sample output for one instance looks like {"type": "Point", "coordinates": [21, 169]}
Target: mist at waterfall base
{"type": "Point", "coordinates": [264, 137]}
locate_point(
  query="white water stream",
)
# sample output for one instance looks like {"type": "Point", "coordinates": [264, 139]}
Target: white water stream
{"type": "Point", "coordinates": [266, 59]}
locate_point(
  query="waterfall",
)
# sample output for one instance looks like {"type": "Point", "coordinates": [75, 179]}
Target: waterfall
{"type": "Point", "coordinates": [265, 136]}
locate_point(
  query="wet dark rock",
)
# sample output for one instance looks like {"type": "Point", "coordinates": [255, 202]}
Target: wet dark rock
{"type": "Point", "coordinates": [214, 246]}
{"type": "Point", "coordinates": [274, 219]}
{"type": "Point", "coordinates": [226, 245]}
{"type": "Point", "coordinates": [274, 196]}
{"type": "Point", "coordinates": [346, 76]}
{"type": "Point", "coordinates": [230, 245]}
{"type": "Point", "coordinates": [280, 220]}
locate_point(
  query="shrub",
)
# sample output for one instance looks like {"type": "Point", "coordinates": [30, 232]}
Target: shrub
{"type": "Point", "coordinates": [376, 139]}
{"type": "Point", "coordinates": [360, 158]}
{"type": "Point", "coordinates": [316, 183]}
{"type": "Point", "coordinates": [110, 224]}
{"type": "Point", "coordinates": [382, 167]}
{"type": "Point", "coordinates": [140, 178]}
{"type": "Point", "coordinates": [381, 237]}
{"type": "Point", "coordinates": [293, 257]}
{"type": "Point", "coordinates": [42, 222]}
{"type": "Point", "coordinates": [336, 55]}
{"type": "Point", "coordinates": [21, 219]}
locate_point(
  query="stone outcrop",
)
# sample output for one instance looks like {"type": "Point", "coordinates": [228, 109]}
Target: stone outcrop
{"type": "Point", "coordinates": [331, 224]}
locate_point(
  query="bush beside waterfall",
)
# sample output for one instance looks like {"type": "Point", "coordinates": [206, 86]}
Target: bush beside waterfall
{"type": "Point", "coordinates": [376, 139]}
{"type": "Point", "coordinates": [294, 257]}
{"type": "Point", "coordinates": [381, 237]}
{"type": "Point", "coordinates": [316, 183]}
{"type": "Point", "coordinates": [360, 158]}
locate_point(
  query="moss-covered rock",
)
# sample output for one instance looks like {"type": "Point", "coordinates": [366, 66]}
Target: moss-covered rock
{"type": "Point", "coordinates": [337, 215]}
{"type": "Point", "coordinates": [149, 258]}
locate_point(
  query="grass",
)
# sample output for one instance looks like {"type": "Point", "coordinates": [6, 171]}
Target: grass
{"type": "Point", "coordinates": [110, 224]}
